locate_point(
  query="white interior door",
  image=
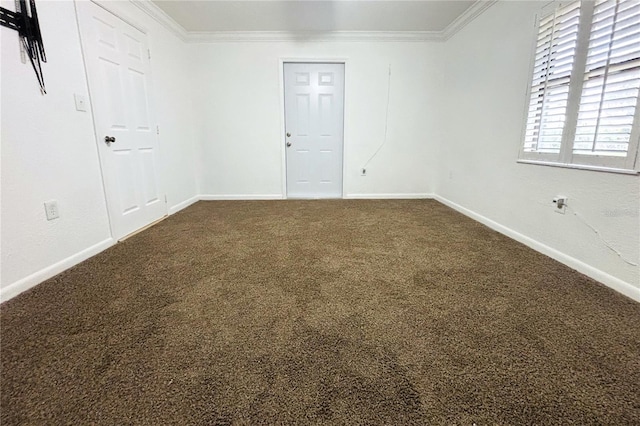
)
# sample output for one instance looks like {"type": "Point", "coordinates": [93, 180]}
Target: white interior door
{"type": "Point", "coordinates": [314, 117]}
{"type": "Point", "coordinates": [118, 69]}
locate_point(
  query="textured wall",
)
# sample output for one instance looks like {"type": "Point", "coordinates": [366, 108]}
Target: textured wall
{"type": "Point", "coordinates": [455, 121]}
{"type": "Point", "coordinates": [238, 98]}
{"type": "Point", "coordinates": [48, 152]}
{"type": "Point", "coordinates": [49, 149]}
{"type": "Point", "coordinates": [486, 72]}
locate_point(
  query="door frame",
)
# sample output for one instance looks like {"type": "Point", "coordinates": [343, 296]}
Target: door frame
{"type": "Point", "coordinates": [282, 138]}
{"type": "Point", "coordinates": [108, 6]}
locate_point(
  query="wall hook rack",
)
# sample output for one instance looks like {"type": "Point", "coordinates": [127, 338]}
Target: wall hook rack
{"type": "Point", "coordinates": [25, 21]}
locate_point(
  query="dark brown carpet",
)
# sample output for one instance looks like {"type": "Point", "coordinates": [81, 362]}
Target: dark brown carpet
{"type": "Point", "coordinates": [307, 312]}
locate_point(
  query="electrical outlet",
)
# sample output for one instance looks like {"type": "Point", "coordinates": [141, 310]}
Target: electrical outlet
{"type": "Point", "coordinates": [51, 209]}
{"type": "Point", "coordinates": [363, 172]}
{"type": "Point", "coordinates": [561, 204]}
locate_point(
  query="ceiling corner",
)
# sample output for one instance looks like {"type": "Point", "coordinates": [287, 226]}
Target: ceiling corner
{"type": "Point", "coordinates": [160, 16]}
{"type": "Point", "coordinates": [475, 10]}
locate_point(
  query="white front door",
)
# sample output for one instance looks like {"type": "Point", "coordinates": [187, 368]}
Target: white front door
{"type": "Point", "coordinates": [118, 69]}
{"type": "Point", "coordinates": [314, 117]}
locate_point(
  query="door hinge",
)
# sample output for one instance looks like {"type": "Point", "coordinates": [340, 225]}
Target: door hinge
{"type": "Point", "coordinates": [149, 52]}
{"type": "Point", "coordinates": [157, 130]}
{"type": "Point", "coordinates": [165, 199]}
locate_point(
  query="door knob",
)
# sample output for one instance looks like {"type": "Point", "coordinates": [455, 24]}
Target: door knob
{"type": "Point", "coordinates": [109, 139]}
{"type": "Point", "coordinates": [288, 143]}
{"type": "Point", "coordinates": [288, 134]}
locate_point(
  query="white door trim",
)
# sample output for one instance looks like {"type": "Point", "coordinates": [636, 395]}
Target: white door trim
{"type": "Point", "coordinates": [108, 6]}
{"type": "Point", "coordinates": [281, 139]}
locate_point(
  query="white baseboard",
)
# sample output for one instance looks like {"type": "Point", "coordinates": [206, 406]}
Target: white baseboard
{"type": "Point", "coordinates": [399, 196]}
{"type": "Point", "coordinates": [36, 278]}
{"type": "Point", "coordinates": [617, 284]}
{"type": "Point", "coordinates": [609, 280]}
{"type": "Point", "coordinates": [395, 196]}
{"type": "Point", "coordinates": [212, 197]}
{"type": "Point", "coordinates": [184, 204]}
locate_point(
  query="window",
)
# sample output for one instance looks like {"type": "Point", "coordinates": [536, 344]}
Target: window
{"type": "Point", "coordinates": [583, 106]}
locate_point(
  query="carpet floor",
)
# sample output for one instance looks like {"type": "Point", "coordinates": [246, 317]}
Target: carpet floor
{"type": "Point", "coordinates": [320, 312]}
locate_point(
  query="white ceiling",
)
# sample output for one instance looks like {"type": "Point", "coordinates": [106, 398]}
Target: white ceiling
{"type": "Point", "coordinates": [313, 15]}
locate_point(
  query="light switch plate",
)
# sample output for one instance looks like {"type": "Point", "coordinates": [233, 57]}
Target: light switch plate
{"type": "Point", "coordinates": [81, 102]}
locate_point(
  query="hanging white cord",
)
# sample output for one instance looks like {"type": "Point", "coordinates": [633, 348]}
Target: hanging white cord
{"type": "Point", "coordinates": [386, 122]}
{"type": "Point", "coordinates": [609, 246]}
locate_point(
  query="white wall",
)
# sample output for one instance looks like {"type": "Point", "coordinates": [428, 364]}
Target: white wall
{"type": "Point", "coordinates": [486, 69]}
{"type": "Point", "coordinates": [455, 120]}
{"type": "Point", "coordinates": [48, 152]}
{"type": "Point", "coordinates": [49, 149]}
{"type": "Point", "coordinates": [237, 94]}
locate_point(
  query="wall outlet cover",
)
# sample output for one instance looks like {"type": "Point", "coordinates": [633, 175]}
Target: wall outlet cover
{"type": "Point", "coordinates": [51, 209]}
{"type": "Point", "coordinates": [560, 203]}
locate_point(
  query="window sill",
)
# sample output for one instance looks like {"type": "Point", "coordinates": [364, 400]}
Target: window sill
{"type": "Point", "coordinates": [581, 167]}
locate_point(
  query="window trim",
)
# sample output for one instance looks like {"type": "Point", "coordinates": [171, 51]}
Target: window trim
{"type": "Point", "coordinates": [580, 167]}
{"type": "Point", "coordinates": [565, 157]}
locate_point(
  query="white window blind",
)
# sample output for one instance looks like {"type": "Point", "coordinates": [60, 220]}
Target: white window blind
{"type": "Point", "coordinates": [612, 80]}
{"type": "Point", "coordinates": [583, 105]}
{"type": "Point", "coordinates": [553, 63]}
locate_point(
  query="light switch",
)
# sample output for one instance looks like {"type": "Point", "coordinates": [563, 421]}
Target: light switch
{"type": "Point", "coordinates": [81, 102]}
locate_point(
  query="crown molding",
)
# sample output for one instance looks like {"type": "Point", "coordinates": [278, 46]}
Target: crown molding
{"type": "Point", "coordinates": [160, 16]}
{"type": "Point", "coordinates": [475, 10]}
{"type": "Point", "coordinates": [332, 36]}
{"type": "Point", "coordinates": [153, 11]}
